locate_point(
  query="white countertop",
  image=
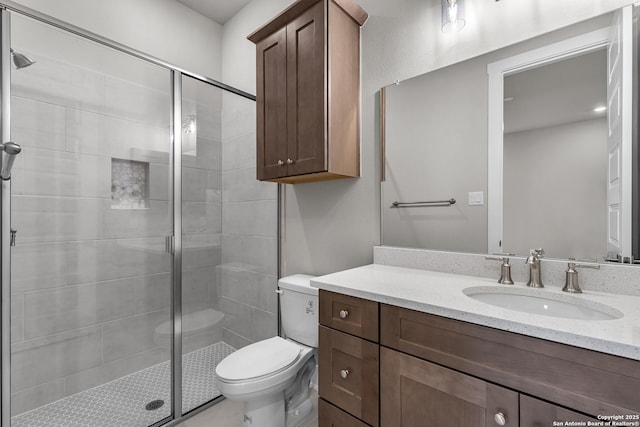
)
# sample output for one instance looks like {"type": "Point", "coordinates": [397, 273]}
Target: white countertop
{"type": "Point", "coordinates": [442, 294]}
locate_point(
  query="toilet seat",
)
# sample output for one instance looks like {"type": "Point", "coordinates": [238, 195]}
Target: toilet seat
{"type": "Point", "coordinates": [264, 358]}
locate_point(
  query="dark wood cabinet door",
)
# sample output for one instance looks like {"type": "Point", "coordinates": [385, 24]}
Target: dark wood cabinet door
{"type": "Point", "coordinates": [348, 374]}
{"type": "Point", "coordinates": [271, 98]}
{"type": "Point", "coordinates": [538, 413]}
{"type": "Point", "coordinates": [414, 392]}
{"type": "Point", "coordinates": [330, 416]}
{"type": "Point", "coordinates": [306, 93]}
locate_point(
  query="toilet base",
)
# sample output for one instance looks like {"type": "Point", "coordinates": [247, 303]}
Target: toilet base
{"type": "Point", "coordinates": [265, 412]}
{"type": "Point", "coordinates": [296, 415]}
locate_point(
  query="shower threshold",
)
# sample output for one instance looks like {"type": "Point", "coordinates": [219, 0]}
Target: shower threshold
{"type": "Point", "coordinates": [124, 401]}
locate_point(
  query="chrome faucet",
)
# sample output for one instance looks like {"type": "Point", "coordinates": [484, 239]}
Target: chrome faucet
{"type": "Point", "coordinates": [534, 268]}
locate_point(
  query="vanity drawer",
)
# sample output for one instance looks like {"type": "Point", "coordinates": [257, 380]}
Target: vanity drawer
{"type": "Point", "coordinates": [587, 381]}
{"type": "Point", "coordinates": [348, 373]}
{"type": "Point", "coordinates": [352, 315]}
{"type": "Point", "coordinates": [330, 416]}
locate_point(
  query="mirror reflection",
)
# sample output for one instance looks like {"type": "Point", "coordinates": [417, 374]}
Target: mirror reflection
{"type": "Point", "coordinates": [554, 166]}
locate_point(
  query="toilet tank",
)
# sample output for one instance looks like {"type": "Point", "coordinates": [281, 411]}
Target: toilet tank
{"type": "Point", "coordinates": [299, 309]}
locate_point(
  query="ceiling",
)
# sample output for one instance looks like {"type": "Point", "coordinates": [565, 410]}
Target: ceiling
{"type": "Point", "coordinates": [217, 10]}
{"type": "Point", "coordinates": [562, 92]}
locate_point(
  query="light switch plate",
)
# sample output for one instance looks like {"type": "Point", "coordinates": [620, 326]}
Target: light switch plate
{"type": "Point", "coordinates": [476, 198]}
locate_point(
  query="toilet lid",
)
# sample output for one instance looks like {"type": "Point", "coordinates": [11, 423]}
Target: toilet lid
{"type": "Point", "coordinates": [258, 359]}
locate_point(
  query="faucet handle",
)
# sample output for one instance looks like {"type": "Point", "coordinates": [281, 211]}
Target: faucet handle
{"type": "Point", "coordinates": [537, 252]}
{"type": "Point", "coordinates": [505, 269]}
{"type": "Point", "coordinates": [571, 283]}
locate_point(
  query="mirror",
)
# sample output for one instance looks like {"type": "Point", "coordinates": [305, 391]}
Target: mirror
{"type": "Point", "coordinates": [513, 137]}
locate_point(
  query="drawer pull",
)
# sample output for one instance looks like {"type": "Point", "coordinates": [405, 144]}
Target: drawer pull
{"type": "Point", "coordinates": [500, 419]}
{"type": "Point", "coordinates": [345, 373]}
{"type": "Point", "coordinates": [280, 163]}
{"type": "Point", "coordinates": [344, 314]}
{"type": "Point", "coordinates": [290, 162]}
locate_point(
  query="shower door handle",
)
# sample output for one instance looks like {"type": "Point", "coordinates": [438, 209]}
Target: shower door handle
{"type": "Point", "coordinates": [169, 246]}
{"type": "Point", "coordinates": [13, 237]}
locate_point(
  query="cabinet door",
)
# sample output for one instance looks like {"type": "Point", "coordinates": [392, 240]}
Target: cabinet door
{"type": "Point", "coordinates": [271, 88]}
{"type": "Point", "coordinates": [348, 374]}
{"type": "Point", "coordinates": [306, 92]}
{"type": "Point", "coordinates": [330, 416]}
{"type": "Point", "coordinates": [414, 392]}
{"type": "Point", "coordinates": [537, 413]}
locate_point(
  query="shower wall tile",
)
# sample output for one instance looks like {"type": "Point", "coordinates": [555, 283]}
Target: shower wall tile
{"type": "Point", "coordinates": [257, 218]}
{"type": "Point", "coordinates": [201, 250]}
{"type": "Point", "coordinates": [59, 83]}
{"type": "Point", "coordinates": [38, 266]}
{"type": "Point", "coordinates": [239, 152]}
{"type": "Point", "coordinates": [254, 289]}
{"type": "Point", "coordinates": [17, 318]}
{"type": "Point", "coordinates": [34, 397]}
{"type": "Point", "coordinates": [200, 218]}
{"type": "Point", "coordinates": [209, 122]}
{"type": "Point", "coordinates": [110, 371]}
{"type": "Point", "coordinates": [100, 135]}
{"type": "Point", "coordinates": [45, 359]}
{"type": "Point", "coordinates": [57, 173]}
{"type": "Point", "coordinates": [100, 260]}
{"type": "Point", "coordinates": [152, 293]}
{"type": "Point", "coordinates": [234, 340]}
{"type": "Point", "coordinates": [126, 337]}
{"type": "Point", "coordinates": [138, 103]}
{"type": "Point", "coordinates": [153, 221]}
{"type": "Point", "coordinates": [55, 219]}
{"type": "Point", "coordinates": [237, 318]}
{"type": "Point", "coordinates": [197, 341]}
{"type": "Point", "coordinates": [239, 119]}
{"type": "Point", "coordinates": [195, 286]}
{"type": "Point", "coordinates": [241, 185]}
{"type": "Point", "coordinates": [64, 309]}
{"type": "Point", "coordinates": [194, 185]}
{"type": "Point", "coordinates": [37, 124]}
{"type": "Point", "coordinates": [265, 324]}
{"type": "Point", "coordinates": [214, 186]}
{"type": "Point", "coordinates": [208, 155]}
{"type": "Point", "coordinates": [158, 182]}
{"type": "Point", "coordinates": [257, 254]}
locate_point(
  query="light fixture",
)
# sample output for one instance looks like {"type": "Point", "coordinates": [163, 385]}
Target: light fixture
{"type": "Point", "coordinates": [189, 125]}
{"type": "Point", "coordinates": [600, 109]}
{"type": "Point", "coordinates": [452, 15]}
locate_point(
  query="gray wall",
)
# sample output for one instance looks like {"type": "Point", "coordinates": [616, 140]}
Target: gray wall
{"type": "Point", "coordinates": [555, 190]}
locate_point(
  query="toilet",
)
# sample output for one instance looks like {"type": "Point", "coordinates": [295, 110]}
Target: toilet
{"type": "Point", "coordinates": [272, 376]}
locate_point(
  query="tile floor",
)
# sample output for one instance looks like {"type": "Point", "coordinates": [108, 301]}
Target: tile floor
{"type": "Point", "coordinates": [121, 402]}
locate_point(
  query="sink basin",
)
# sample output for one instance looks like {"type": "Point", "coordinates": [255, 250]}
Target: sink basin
{"type": "Point", "coordinates": [541, 302]}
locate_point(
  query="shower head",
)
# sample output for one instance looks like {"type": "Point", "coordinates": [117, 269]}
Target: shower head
{"type": "Point", "coordinates": [11, 150]}
{"type": "Point", "coordinates": [20, 60]}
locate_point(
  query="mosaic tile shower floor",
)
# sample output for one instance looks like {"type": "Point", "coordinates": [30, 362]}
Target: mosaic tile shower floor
{"type": "Point", "coordinates": [121, 403]}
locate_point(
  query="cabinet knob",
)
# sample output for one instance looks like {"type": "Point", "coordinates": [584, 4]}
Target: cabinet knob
{"type": "Point", "coordinates": [344, 373]}
{"type": "Point", "coordinates": [500, 419]}
{"type": "Point", "coordinates": [344, 314]}
{"type": "Point", "coordinates": [290, 162]}
{"type": "Point", "coordinates": [280, 163]}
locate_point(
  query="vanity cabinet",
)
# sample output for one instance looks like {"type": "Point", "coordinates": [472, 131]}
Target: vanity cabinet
{"type": "Point", "coordinates": [348, 361]}
{"type": "Point", "coordinates": [415, 392]}
{"type": "Point", "coordinates": [435, 371]}
{"type": "Point", "coordinates": [308, 90]}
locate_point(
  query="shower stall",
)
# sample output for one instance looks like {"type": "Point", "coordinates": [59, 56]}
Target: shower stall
{"type": "Point", "coordinates": [138, 249]}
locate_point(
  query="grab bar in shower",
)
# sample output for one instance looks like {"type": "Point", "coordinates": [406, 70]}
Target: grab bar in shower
{"type": "Point", "coordinates": [11, 150]}
{"type": "Point", "coordinates": [449, 202]}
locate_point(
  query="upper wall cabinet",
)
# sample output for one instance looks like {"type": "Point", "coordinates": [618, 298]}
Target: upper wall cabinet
{"type": "Point", "coordinates": [308, 92]}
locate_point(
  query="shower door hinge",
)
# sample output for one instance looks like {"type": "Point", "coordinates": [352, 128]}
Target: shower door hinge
{"type": "Point", "coordinates": [169, 245]}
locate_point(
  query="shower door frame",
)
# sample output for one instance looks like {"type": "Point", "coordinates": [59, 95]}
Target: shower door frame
{"type": "Point", "coordinates": [174, 241]}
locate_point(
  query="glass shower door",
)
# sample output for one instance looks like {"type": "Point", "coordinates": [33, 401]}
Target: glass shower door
{"type": "Point", "coordinates": [91, 268]}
